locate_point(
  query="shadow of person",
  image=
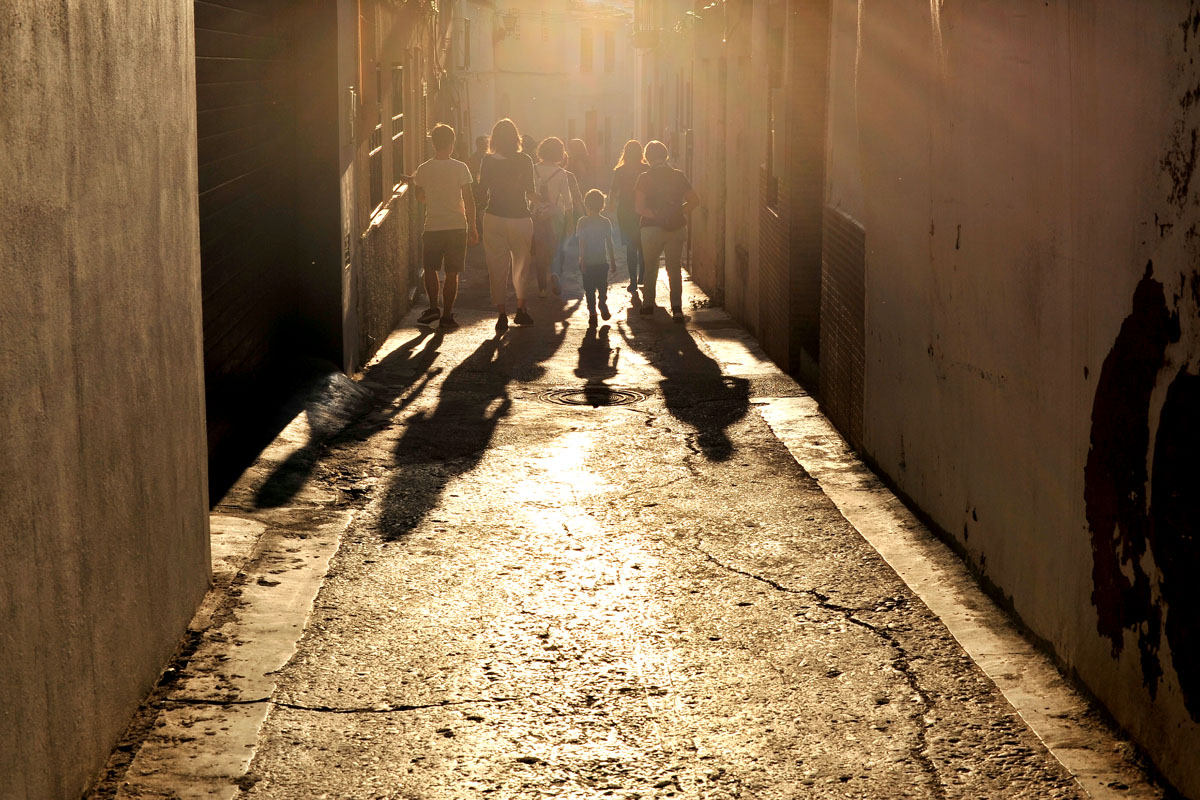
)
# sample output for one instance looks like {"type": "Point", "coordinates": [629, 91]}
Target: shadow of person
{"type": "Point", "coordinates": [451, 439]}
{"type": "Point", "coordinates": [334, 419]}
{"type": "Point", "coordinates": [597, 363]}
{"type": "Point", "coordinates": [694, 389]}
{"type": "Point", "coordinates": [597, 358]}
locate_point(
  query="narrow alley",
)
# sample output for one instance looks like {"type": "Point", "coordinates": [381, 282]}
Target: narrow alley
{"type": "Point", "coordinates": [537, 594]}
{"type": "Point", "coordinates": [873, 484]}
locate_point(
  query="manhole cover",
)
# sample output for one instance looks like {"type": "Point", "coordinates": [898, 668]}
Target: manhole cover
{"type": "Point", "coordinates": [594, 396]}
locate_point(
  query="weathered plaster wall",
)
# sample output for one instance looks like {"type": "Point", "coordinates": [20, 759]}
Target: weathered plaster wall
{"type": "Point", "coordinates": [103, 503]}
{"type": "Point", "coordinates": [745, 153]}
{"type": "Point", "coordinates": [1024, 175]}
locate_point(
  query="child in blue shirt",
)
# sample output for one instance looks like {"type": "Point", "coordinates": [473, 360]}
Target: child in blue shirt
{"type": "Point", "coordinates": [596, 254]}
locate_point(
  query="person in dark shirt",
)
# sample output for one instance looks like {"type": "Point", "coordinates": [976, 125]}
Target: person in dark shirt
{"type": "Point", "coordinates": [579, 163]}
{"type": "Point", "coordinates": [664, 198]}
{"type": "Point", "coordinates": [529, 145]}
{"type": "Point", "coordinates": [621, 197]}
{"type": "Point", "coordinates": [506, 177]}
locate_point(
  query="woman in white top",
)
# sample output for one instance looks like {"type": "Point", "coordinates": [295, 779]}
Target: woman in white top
{"type": "Point", "coordinates": [550, 209]}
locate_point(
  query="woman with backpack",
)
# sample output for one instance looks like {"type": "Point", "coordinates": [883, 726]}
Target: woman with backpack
{"type": "Point", "coordinates": [551, 207]}
{"type": "Point", "coordinates": [506, 178]}
{"type": "Point", "coordinates": [664, 198]}
{"type": "Point", "coordinates": [621, 194]}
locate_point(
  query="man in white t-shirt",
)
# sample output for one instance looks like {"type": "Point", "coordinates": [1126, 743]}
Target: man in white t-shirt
{"type": "Point", "coordinates": [443, 184]}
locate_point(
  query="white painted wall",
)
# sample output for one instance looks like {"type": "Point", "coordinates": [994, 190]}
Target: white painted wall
{"type": "Point", "coordinates": [1012, 164]}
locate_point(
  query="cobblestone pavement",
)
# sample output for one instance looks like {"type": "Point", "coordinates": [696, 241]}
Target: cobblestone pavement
{"type": "Point", "coordinates": [634, 601]}
{"type": "Point", "coordinates": [538, 599]}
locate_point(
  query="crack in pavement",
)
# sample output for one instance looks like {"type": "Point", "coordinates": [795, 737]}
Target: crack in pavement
{"type": "Point", "coordinates": [642, 490]}
{"type": "Point", "coordinates": [900, 663]}
{"type": "Point", "coordinates": [377, 709]}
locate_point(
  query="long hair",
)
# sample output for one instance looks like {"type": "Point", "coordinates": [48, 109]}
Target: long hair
{"type": "Point", "coordinates": [505, 139]}
{"type": "Point", "coordinates": [631, 154]}
{"type": "Point", "coordinates": [578, 159]}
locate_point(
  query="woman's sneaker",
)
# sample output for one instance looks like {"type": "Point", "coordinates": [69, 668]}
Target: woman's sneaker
{"type": "Point", "coordinates": [448, 322]}
{"type": "Point", "coordinates": [677, 315]}
{"type": "Point", "coordinates": [431, 314]}
{"type": "Point", "coordinates": [522, 317]}
{"type": "Point", "coordinates": [502, 323]}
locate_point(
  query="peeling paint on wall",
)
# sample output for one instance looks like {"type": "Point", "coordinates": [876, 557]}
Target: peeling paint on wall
{"type": "Point", "coordinates": [1144, 524]}
{"type": "Point", "coordinates": [1175, 529]}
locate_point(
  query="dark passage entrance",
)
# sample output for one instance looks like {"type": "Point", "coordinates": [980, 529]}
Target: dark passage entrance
{"type": "Point", "coordinates": [260, 315]}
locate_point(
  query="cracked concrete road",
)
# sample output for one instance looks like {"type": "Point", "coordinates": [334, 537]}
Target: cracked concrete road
{"type": "Point", "coordinates": [652, 600]}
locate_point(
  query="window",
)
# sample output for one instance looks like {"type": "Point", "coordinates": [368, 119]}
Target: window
{"type": "Point", "coordinates": [512, 24]}
{"type": "Point", "coordinates": [375, 147]}
{"type": "Point", "coordinates": [606, 141]}
{"type": "Point", "coordinates": [464, 55]}
{"type": "Point", "coordinates": [610, 51]}
{"type": "Point", "coordinates": [586, 57]}
{"type": "Point", "coordinates": [397, 123]}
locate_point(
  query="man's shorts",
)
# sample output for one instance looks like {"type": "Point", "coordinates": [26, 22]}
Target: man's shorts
{"type": "Point", "coordinates": [445, 250]}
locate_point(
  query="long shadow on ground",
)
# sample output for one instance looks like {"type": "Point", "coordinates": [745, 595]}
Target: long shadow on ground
{"type": "Point", "coordinates": [335, 419]}
{"type": "Point", "coordinates": [693, 387]}
{"type": "Point", "coordinates": [451, 439]}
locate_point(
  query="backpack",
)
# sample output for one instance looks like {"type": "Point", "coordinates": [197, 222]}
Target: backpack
{"type": "Point", "coordinates": [663, 195]}
{"type": "Point", "coordinates": [542, 207]}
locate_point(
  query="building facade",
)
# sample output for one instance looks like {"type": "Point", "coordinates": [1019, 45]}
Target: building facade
{"type": "Point", "coordinates": [309, 114]}
{"type": "Point", "coordinates": [731, 89]}
{"type": "Point", "coordinates": [562, 68]}
{"type": "Point", "coordinates": [973, 230]}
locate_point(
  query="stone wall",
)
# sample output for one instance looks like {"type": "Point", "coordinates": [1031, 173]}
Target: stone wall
{"type": "Point", "coordinates": [1023, 174]}
{"type": "Point", "coordinates": [102, 471]}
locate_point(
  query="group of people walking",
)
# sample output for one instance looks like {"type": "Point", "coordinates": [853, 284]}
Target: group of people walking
{"type": "Point", "coordinates": [525, 213]}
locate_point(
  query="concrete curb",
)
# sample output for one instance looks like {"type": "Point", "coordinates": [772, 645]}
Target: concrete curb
{"type": "Point", "coordinates": [250, 624]}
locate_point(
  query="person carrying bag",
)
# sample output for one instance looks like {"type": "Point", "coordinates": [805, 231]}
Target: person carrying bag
{"type": "Point", "coordinates": [550, 211]}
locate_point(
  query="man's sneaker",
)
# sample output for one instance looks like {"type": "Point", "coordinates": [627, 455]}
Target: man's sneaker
{"type": "Point", "coordinates": [448, 322]}
{"type": "Point", "coordinates": [502, 323]}
{"type": "Point", "coordinates": [677, 315]}
{"type": "Point", "coordinates": [431, 314]}
{"type": "Point", "coordinates": [604, 312]}
{"type": "Point", "coordinates": [522, 317]}
{"type": "Point", "coordinates": [647, 309]}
